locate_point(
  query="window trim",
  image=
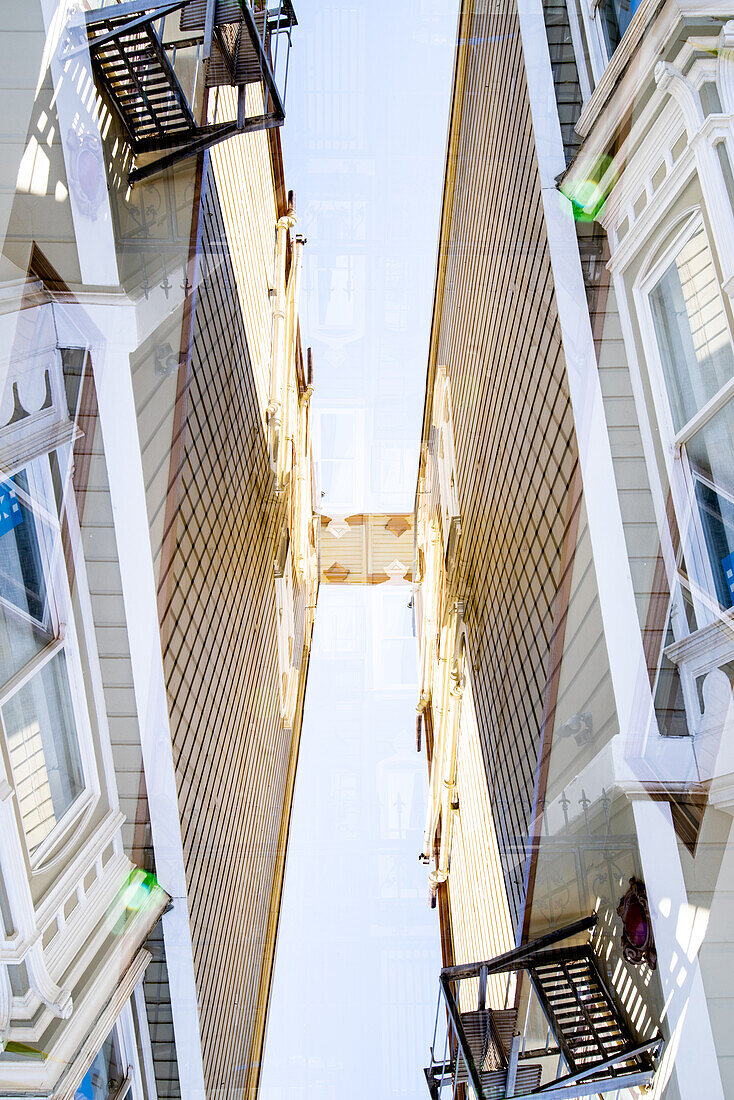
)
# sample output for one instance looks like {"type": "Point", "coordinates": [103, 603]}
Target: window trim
{"type": "Point", "coordinates": [62, 622]}
{"type": "Point", "coordinates": [285, 612]}
{"type": "Point", "coordinates": [446, 469]}
{"type": "Point", "coordinates": [680, 476]}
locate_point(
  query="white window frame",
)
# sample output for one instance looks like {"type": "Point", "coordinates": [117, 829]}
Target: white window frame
{"type": "Point", "coordinates": [445, 459]}
{"type": "Point", "coordinates": [126, 1050]}
{"type": "Point", "coordinates": [64, 637]}
{"type": "Point", "coordinates": [286, 632]}
{"type": "Point", "coordinates": [680, 478]}
{"type": "Point", "coordinates": [584, 26]}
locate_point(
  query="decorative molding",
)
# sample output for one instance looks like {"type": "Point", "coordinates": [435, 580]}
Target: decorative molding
{"type": "Point", "coordinates": [5, 1004]}
{"type": "Point", "coordinates": [718, 204]}
{"type": "Point", "coordinates": [725, 66]}
{"type": "Point", "coordinates": [58, 1000]}
{"type": "Point", "coordinates": [618, 82]}
{"type": "Point", "coordinates": [671, 81]}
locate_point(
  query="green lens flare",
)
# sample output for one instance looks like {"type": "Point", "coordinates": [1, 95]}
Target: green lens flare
{"type": "Point", "coordinates": [587, 198]}
{"type": "Point", "coordinates": [138, 892]}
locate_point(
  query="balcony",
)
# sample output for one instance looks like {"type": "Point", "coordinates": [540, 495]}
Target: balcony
{"type": "Point", "coordinates": [589, 1048]}
{"type": "Point", "coordinates": [156, 61]}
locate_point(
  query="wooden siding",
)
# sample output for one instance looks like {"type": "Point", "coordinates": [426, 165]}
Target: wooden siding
{"type": "Point", "coordinates": [481, 924]}
{"type": "Point", "coordinates": [243, 169]}
{"type": "Point", "coordinates": [565, 72]}
{"type": "Point", "coordinates": [359, 549]}
{"type": "Point", "coordinates": [496, 330]}
{"type": "Point", "coordinates": [232, 755]}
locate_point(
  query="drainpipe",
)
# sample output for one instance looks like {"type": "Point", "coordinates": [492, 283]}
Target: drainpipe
{"type": "Point", "coordinates": [274, 415]}
{"type": "Point", "coordinates": [454, 693]}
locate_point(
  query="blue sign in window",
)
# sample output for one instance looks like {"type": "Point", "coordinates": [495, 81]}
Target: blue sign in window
{"type": "Point", "coordinates": [10, 513]}
{"type": "Point", "coordinates": [727, 564]}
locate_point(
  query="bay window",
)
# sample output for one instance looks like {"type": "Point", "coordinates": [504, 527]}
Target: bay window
{"type": "Point", "coordinates": [695, 356]}
{"type": "Point", "coordinates": [692, 333]}
{"type": "Point", "coordinates": [38, 666]}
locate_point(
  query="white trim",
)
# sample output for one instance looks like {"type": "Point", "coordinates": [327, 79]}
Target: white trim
{"type": "Point", "coordinates": [579, 32]}
{"type": "Point", "coordinates": [146, 1047]}
{"type": "Point", "coordinates": [445, 469]}
{"type": "Point", "coordinates": [690, 1050]}
{"type": "Point", "coordinates": [65, 832]}
{"type": "Point", "coordinates": [630, 64]}
{"type": "Point", "coordinates": [128, 1046]}
{"type": "Point", "coordinates": [627, 179]}
{"type": "Point", "coordinates": [677, 467]}
{"type": "Point", "coordinates": [93, 231]}
{"type": "Point", "coordinates": [288, 669]}
{"type": "Point", "coordinates": [718, 203]}
{"type": "Point", "coordinates": [627, 665]}
{"type": "Point", "coordinates": [118, 419]}
{"type": "Point", "coordinates": [104, 1022]}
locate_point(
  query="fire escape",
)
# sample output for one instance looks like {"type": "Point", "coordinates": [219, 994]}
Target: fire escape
{"type": "Point", "coordinates": [590, 1046]}
{"type": "Point", "coordinates": [144, 54]}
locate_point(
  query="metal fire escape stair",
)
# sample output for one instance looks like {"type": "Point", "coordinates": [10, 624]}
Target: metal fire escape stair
{"type": "Point", "coordinates": [136, 71]}
{"type": "Point", "coordinates": [137, 75]}
{"type": "Point", "coordinates": [590, 1040]}
{"type": "Point", "coordinates": [490, 1034]}
{"type": "Point", "coordinates": [584, 1017]}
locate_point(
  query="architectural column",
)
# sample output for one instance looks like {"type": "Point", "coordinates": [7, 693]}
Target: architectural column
{"type": "Point", "coordinates": [690, 1049]}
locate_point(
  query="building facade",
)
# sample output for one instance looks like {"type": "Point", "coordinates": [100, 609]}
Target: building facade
{"type": "Point", "coordinates": [574, 531]}
{"type": "Point", "coordinates": [158, 544]}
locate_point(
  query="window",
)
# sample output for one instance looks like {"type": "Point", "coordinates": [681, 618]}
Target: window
{"type": "Point", "coordinates": [116, 1072]}
{"type": "Point", "coordinates": [105, 1078]}
{"type": "Point", "coordinates": [289, 644]}
{"type": "Point", "coordinates": [697, 367]}
{"type": "Point", "coordinates": [691, 328]}
{"type": "Point", "coordinates": [616, 16]}
{"type": "Point", "coordinates": [36, 701]}
{"type": "Point", "coordinates": [445, 458]}
{"type": "Point", "coordinates": [710, 454]}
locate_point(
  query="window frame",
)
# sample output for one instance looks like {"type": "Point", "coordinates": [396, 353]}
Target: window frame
{"type": "Point", "coordinates": [132, 1085]}
{"type": "Point", "coordinates": [40, 503]}
{"type": "Point", "coordinates": [446, 469]}
{"type": "Point", "coordinates": [680, 476]}
{"type": "Point", "coordinates": [285, 612]}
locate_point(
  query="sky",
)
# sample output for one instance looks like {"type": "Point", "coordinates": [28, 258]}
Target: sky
{"type": "Point", "coordinates": [356, 972]}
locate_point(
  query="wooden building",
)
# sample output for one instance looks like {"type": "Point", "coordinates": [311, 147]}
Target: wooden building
{"type": "Point", "coordinates": [159, 516]}
{"type": "Point", "coordinates": [573, 534]}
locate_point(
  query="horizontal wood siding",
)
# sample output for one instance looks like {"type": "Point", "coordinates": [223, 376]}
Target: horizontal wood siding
{"type": "Point", "coordinates": [481, 923]}
{"type": "Point", "coordinates": [496, 330]}
{"type": "Point", "coordinates": [230, 749]}
{"type": "Point", "coordinates": [249, 213]}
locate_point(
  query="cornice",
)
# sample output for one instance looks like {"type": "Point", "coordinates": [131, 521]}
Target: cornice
{"type": "Point", "coordinates": [636, 33]}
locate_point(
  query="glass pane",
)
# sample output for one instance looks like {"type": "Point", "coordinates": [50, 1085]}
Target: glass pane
{"type": "Point", "coordinates": [104, 1075]}
{"type": "Point", "coordinates": [711, 455]}
{"type": "Point", "coordinates": [24, 615]}
{"type": "Point", "coordinates": [691, 328]}
{"type": "Point", "coordinates": [616, 18]}
{"type": "Point", "coordinates": [670, 707]}
{"type": "Point", "coordinates": [44, 749]}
